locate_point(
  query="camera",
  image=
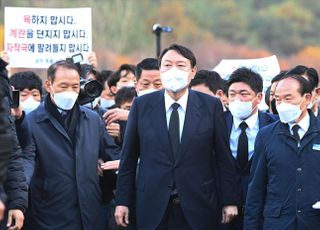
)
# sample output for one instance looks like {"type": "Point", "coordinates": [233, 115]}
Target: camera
{"type": "Point", "coordinates": [90, 89]}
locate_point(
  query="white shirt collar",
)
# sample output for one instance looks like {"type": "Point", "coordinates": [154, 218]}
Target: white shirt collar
{"type": "Point", "coordinates": [303, 124]}
{"type": "Point", "coordinates": [251, 121]}
{"type": "Point", "coordinates": [168, 100]}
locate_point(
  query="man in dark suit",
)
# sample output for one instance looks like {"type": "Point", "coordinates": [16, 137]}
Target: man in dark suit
{"type": "Point", "coordinates": [62, 157]}
{"type": "Point", "coordinates": [244, 93]}
{"type": "Point", "coordinates": [283, 187]}
{"type": "Point", "coordinates": [180, 137]}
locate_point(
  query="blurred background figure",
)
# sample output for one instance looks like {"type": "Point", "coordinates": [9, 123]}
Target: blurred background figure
{"type": "Point", "coordinates": [211, 83]}
{"type": "Point", "coordinates": [30, 86]}
{"type": "Point", "coordinates": [125, 97]}
{"type": "Point", "coordinates": [106, 97]}
{"type": "Point", "coordinates": [272, 101]}
{"type": "Point", "coordinates": [122, 77]}
{"type": "Point", "coordinates": [148, 76]}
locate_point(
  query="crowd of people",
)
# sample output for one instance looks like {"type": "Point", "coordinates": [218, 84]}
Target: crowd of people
{"type": "Point", "coordinates": [162, 145]}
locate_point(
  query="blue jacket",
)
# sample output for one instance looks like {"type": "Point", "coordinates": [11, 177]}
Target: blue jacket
{"type": "Point", "coordinates": [203, 148]}
{"type": "Point", "coordinates": [286, 179]}
{"type": "Point", "coordinates": [264, 120]}
{"type": "Point", "coordinates": [64, 188]}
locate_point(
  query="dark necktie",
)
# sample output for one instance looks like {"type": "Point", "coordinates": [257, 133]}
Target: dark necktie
{"type": "Point", "coordinates": [295, 129]}
{"type": "Point", "coordinates": [242, 154]}
{"type": "Point", "coordinates": [174, 129]}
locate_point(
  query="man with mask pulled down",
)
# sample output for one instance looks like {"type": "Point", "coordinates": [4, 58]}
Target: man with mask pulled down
{"type": "Point", "coordinates": [66, 142]}
{"type": "Point", "coordinates": [243, 122]}
{"type": "Point", "coordinates": [179, 135]}
{"type": "Point", "coordinates": [284, 181]}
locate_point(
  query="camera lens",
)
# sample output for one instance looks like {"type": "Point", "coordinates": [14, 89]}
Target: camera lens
{"type": "Point", "coordinates": [92, 89]}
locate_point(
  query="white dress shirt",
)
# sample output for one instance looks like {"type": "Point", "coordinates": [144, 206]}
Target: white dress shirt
{"type": "Point", "coordinates": [303, 124]}
{"type": "Point", "coordinates": [168, 101]}
{"type": "Point", "coordinates": [251, 131]}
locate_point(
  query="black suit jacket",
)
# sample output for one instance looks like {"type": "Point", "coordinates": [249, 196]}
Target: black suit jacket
{"type": "Point", "coordinates": [243, 175]}
{"type": "Point", "coordinates": [204, 149]}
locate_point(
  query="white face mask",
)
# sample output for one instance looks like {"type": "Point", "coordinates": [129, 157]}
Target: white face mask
{"type": "Point", "coordinates": [240, 109]}
{"type": "Point", "coordinates": [146, 91]}
{"type": "Point", "coordinates": [29, 105]}
{"type": "Point", "coordinates": [65, 100]}
{"type": "Point", "coordinates": [174, 79]}
{"type": "Point", "coordinates": [93, 104]}
{"type": "Point", "coordinates": [104, 103]}
{"type": "Point", "coordinates": [125, 84]}
{"type": "Point", "coordinates": [288, 113]}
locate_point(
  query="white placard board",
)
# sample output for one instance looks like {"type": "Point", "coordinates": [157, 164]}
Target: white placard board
{"type": "Point", "coordinates": [38, 37]}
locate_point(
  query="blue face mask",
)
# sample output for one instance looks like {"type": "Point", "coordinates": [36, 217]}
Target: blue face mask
{"type": "Point", "coordinates": [93, 104]}
{"type": "Point", "coordinates": [104, 103]}
{"type": "Point", "coordinates": [29, 105]}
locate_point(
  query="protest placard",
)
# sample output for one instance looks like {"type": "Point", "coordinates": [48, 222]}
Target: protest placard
{"type": "Point", "coordinates": [267, 67]}
{"type": "Point", "coordinates": [38, 37]}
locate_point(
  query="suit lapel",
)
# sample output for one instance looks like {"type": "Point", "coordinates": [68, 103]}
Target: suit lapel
{"type": "Point", "coordinates": [286, 137]}
{"type": "Point", "coordinates": [45, 115]}
{"type": "Point", "coordinates": [192, 118]}
{"type": "Point", "coordinates": [229, 121]}
{"type": "Point", "coordinates": [312, 132]}
{"type": "Point", "coordinates": [59, 127]}
{"type": "Point", "coordinates": [158, 122]}
{"type": "Point", "coordinates": [263, 121]}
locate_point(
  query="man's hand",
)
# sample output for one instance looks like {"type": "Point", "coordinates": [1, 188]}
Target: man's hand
{"type": "Point", "coordinates": [100, 170]}
{"type": "Point", "coordinates": [18, 217]}
{"type": "Point", "coordinates": [121, 215]}
{"type": "Point", "coordinates": [113, 115]}
{"type": "Point", "coordinates": [92, 58]}
{"type": "Point", "coordinates": [2, 208]}
{"type": "Point", "coordinates": [110, 165]}
{"type": "Point", "coordinates": [114, 130]}
{"type": "Point", "coordinates": [4, 56]}
{"type": "Point", "coordinates": [17, 112]}
{"type": "Point", "coordinates": [228, 213]}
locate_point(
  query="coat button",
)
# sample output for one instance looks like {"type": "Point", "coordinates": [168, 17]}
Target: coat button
{"type": "Point", "coordinates": [299, 211]}
{"type": "Point", "coordinates": [299, 190]}
{"type": "Point", "coordinates": [299, 169]}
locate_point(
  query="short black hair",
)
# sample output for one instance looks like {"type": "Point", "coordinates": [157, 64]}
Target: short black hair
{"type": "Point", "coordinates": [267, 95]}
{"type": "Point", "coordinates": [63, 63]}
{"type": "Point", "coordinates": [104, 75]}
{"type": "Point", "coordinates": [247, 76]}
{"type": "Point", "coordinates": [184, 51]}
{"type": "Point", "coordinates": [26, 80]}
{"type": "Point", "coordinates": [86, 69]}
{"type": "Point", "coordinates": [279, 76]}
{"type": "Point", "coordinates": [310, 73]}
{"type": "Point", "coordinates": [116, 75]}
{"type": "Point", "coordinates": [211, 79]}
{"type": "Point", "coordinates": [125, 94]}
{"type": "Point", "coordinates": [305, 85]}
{"type": "Point", "coordinates": [127, 68]}
{"type": "Point", "coordinates": [113, 78]}
{"type": "Point", "coordinates": [146, 64]}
